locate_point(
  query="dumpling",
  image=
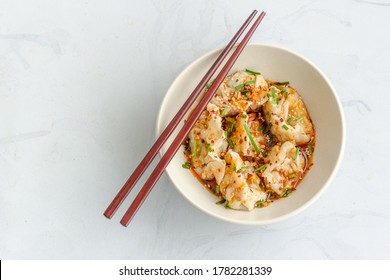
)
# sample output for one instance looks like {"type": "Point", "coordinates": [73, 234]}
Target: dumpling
{"type": "Point", "coordinates": [207, 141]}
{"type": "Point", "coordinates": [240, 185]}
{"type": "Point", "coordinates": [287, 113]}
{"type": "Point", "coordinates": [241, 92]}
{"type": "Point", "coordinates": [240, 138]}
{"type": "Point", "coordinates": [285, 167]}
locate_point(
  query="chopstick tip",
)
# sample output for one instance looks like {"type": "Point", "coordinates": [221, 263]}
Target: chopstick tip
{"type": "Point", "coordinates": [124, 223]}
{"type": "Point", "coordinates": [107, 215]}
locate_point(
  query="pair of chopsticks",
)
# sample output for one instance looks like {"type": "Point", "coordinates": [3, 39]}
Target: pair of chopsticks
{"type": "Point", "coordinates": [166, 158]}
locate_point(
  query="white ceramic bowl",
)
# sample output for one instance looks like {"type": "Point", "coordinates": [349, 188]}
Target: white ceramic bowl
{"type": "Point", "coordinates": [278, 64]}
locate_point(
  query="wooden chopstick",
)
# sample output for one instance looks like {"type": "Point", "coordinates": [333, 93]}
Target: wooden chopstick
{"type": "Point", "coordinates": [166, 158]}
{"type": "Point", "coordinates": [144, 164]}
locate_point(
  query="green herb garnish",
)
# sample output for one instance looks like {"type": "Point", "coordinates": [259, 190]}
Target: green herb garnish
{"type": "Point", "coordinates": [226, 204]}
{"type": "Point", "coordinates": [222, 201]}
{"type": "Point", "coordinates": [285, 92]}
{"type": "Point", "coordinates": [244, 116]}
{"type": "Point", "coordinates": [287, 193]}
{"type": "Point", "coordinates": [289, 120]}
{"type": "Point", "coordinates": [245, 168]}
{"type": "Point", "coordinates": [252, 72]}
{"type": "Point", "coordinates": [250, 82]}
{"type": "Point", "coordinates": [208, 85]}
{"type": "Point", "coordinates": [186, 165]}
{"type": "Point", "coordinates": [260, 203]}
{"type": "Point", "coordinates": [298, 118]}
{"type": "Point", "coordinates": [285, 127]}
{"type": "Point", "coordinates": [231, 144]}
{"type": "Point", "coordinates": [261, 167]}
{"type": "Point", "coordinates": [234, 168]}
{"type": "Point", "coordinates": [292, 175]}
{"type": "Point", "coordinates": [223, 112]}
{"type": "Point", "coordinates": [251, 138]}
{"type": "Point", "coordinates": [309, 149]}
{"type": "Point", "coordinates": [273, 93]}
{"type": "Point", "coordinates": [275, 99]}
{"type": "Point", "coordinates": [208, 146]}
{"type": "Point", "coordinates": [268, 128]}
{"type": "Point", "coordinates": [245, 91]}
{"type": "Point", "coordinates": [217, 189]}
{"type": "Point", "coordinates": [231, 127]}
{"type": "Point", "coordinates": [296, 153]}
{"type": "Point", "coordinates": [229, 120]}
{"type": "Point", "coordinates": [240, 86]}
{"type": "Point", "coordinates": [195, 152]}
{"type": "Point", "coordinates": [283, 83]}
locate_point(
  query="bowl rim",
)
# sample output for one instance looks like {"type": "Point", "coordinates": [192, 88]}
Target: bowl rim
{"type": "Point", "coordinates": [329, 179]}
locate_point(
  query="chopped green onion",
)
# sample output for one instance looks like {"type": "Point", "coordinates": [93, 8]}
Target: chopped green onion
{"type": "Point", "coordinates": [250, 82]}
{"type": "Point", "coordinates": [285, 127]}
{"type": "Point", "coordinates": [252, 72]}
{"type": "Point", "coordinates": [292, 175]}
{"type": "Point", "coordinates": [251, 138]}
{"type": "Point", "coordinates": [240, 86]}
{"type": "Point", "coordinates": [261, 167]}
{"type": "Point", "coordinates": [226, 204]}
{"type": "Point", "coordinates": [229, 120]}
{"type": "Point", "coordinates": [245, 91]}
{"type": "Point", "coordinates": [274, 97]}
{"type": "Point", "coordinates": [231, 127]}
{"type": "Point", "coordinates": [208, 85]}
{"type": "Point", "coordinates": [283, 83]}
{"type": "Point", "coordinates": [264, 153]}
{"type": "Point", "coordinates": [234, 168]}
{"type": "Point", "coordinates": [231, 144]}
{"type": "Point", "coordinates": [296, 153]}
{"type": "Point", "coordinates": [221, 201]}
{"type": "Point", "coordinates": [225, 133]}
{"type": "Point", "coordinates": [273, 93]}
{"type": "Point", "coordinates": [186, 165]}
{"type": "Point", "coordinates": [248, 99]}
{"type": "Point", "coordinates": [260, 203]}
{"type": "Point", "coordinates": [223, 112]}
{"type": "Point", "coordinates": [285, 92]}
{"type": "Point", "coordinates": [310, 150]}
{"type": "Point", "coordinates": [217, 189]}
{"type": "Point", "coordinates": [289, 120]}
{"type": "Point", "coordinates": [244, 116]}
{"type": "Point", "coordinates": [245, 168]}
{"type": "Point", "coordinates": [209, 147]}
{"type": "Point", "coordinates": [268, 128]}
{"type": "Point", "coordinates": [195, 152]}
{"type": "Point", "coordinates": [298, 118]}
{"type": "Point", "coordinates": [287, 192]}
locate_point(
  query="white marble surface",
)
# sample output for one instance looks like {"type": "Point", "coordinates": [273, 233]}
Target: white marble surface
{"type": "Point", "coordinates": [74, 80]}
